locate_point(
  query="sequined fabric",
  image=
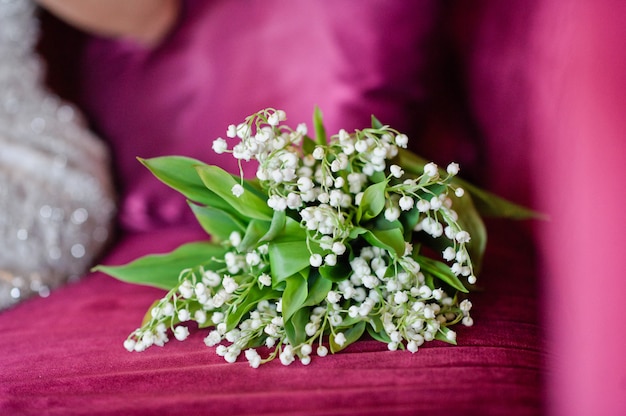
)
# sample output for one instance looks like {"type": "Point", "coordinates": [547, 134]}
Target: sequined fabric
{"type": "Point", "coordinates": [56, 197]}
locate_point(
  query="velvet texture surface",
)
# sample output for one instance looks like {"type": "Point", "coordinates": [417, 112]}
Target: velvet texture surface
{"type": "Point", "coordinates": [64, 354]}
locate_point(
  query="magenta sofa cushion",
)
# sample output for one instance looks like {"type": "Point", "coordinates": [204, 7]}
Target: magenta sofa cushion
{"type": "Point", "coordinates": [64, 355]}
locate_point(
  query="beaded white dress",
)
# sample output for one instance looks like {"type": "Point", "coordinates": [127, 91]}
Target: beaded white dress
{"type": "Point", "coordinates": [56, 194]}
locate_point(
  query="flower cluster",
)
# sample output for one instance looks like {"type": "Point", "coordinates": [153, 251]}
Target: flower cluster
{"type": "Point", "coordinates": [331, 247]}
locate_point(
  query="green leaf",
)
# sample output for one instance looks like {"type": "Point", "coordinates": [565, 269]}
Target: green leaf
{"type": "Point", "coordinates": [318, 125]}
{"type": "Point", "coordinates": [221, 182]}
{"type": "Point", "coordinates": [292, 231]}
{"type": "Point", "coordinates": [352, 334]}
{"type": "Point", "coordinates": [308, 145]}
{"type": "Point", "coordinates": [277, 226]}
{"type": "Point", "coordinates": [440, 271]}
{"type": "Point", "coordinates": [391, 240]}
{"type": "Point", "coordinates": [287, 259]}
{"type": "Point", "coordinates": [294, 327]}
{"type": "Point", "coordinates": [217, 223]}
{"type": "Point", "coordinates": [255, 231]}
{"type": "Point", "coordinates": [294, 295]}
{"type": "Point", "coordinates": [372, 203]}
{"type": "Point", "coordinates": [376, 124]}
{"type": "Point", "coordinates": [376, 330]}
{"type": "Point", "coordinates": [409, 220]}
{"type": "Point", "coordinates": [162, 270]}
{"type": "Point", "coordinates": [357, 231]}
{"type": "Point", "coordinates": [337, 273]}
{"type": "Point", "coordinates": [180, 173]}
{"type": "Point", "coordinates": [318, 289]}
{"type": "Point", "coordinates": [441, 335]}
{"type": "Point", "coordinates": [251, 298]}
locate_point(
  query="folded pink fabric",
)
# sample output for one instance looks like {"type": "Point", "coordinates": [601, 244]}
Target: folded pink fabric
{"type": "Point", "coordinates": [228, 59]}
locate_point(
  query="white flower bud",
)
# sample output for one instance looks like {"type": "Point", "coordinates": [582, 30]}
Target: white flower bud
{"type": "Point", "coordinates": [265, 279]}
{"type": "Point", "coordinates": [453, 168]}
{"type": "Point", "coordinates": [318, 153]}
{"type": "Point", "coordinates": [338, 248]}
{"type": "Point", "coordinates": [361, 146]}
{"type": "Point", "coordinates": [430, 169]}
{"type": "Point", "coordinates": [333, 297]}
{"type": "Point", "coordinates": [467, 321]}
{"type": "Point", "coordinates": [184, 315]}
{"type": "Point", "coordinates": [422, 205]}
{"type": "Point", "coordinates": [129, 344]}
{"type": "Point", "coordinates": [406, 203]}
{"type": "Point", "coordinates": [322, 351]}
{"type": "Point", "coordinates": [396, 171]}
{"type": "Point", "coordinates": [330, 259]}
{"type": "Point", "coordinates": [315, 260]}
{"type": "Point", "coordinates": [340, 339]}
{"type": "Point", "coordinates": [392, 213]}
{"type": "Point", "coordinates": [181, 333]}
{"type": "Point", "coordinates": [449, 254]}
{"type": "Point", "coordinates": [462, 237]}
{"type": "Point", "coordinates": [220, 146]}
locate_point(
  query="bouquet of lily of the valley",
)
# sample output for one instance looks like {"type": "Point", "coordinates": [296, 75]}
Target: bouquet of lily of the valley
{"type": "Point", "coordinates": [335, 238]}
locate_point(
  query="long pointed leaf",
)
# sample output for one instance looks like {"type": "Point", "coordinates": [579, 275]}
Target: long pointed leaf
{"type": "Point", "coordinates": [352, 334]}
{"type": "Point", "coordinates": [255, 231]}
{"type": "Point", "coordinates": [179, 173]}
{"type": "Point", "coordinates": [217, 223]}
{"type": "Point", "coordinates": [253, 296]}
{"type": "Point", "coordinates": [294, 295]}
{"type": "Point", "coordinates": [391, 240]}
{"type": "Point", "coordinates": [372, 202]}
{"type": "Point", "coordinates": [441, 271]}
{"type": "Point", "coordinates": [318, 124]}
{"type": "Point", "coordinates": [287, 259]}
{"type": "Point", "coordinates": [294, 327]}
{"type": "Point", "coordinates": [276, 227]}
{"type": "Point", "coordinates": [162, 270]}
{"type": "Point", "coordinates": [318, 289]}
{"type": "Point", "coordinates": [221, 182]}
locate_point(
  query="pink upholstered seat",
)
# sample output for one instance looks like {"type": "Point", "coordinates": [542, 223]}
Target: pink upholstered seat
{"type": "Point", "coordinates": [226, 60]}
{"type": "Point", "coordinates": [64, 354]}
{"type": "Point", "coordinates": [476, 83]}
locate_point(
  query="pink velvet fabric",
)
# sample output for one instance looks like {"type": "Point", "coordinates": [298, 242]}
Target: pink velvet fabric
{"type": "Point", "coordinates": [226, 59]}
{"type": "Point", "coordinates": [64, 356]}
